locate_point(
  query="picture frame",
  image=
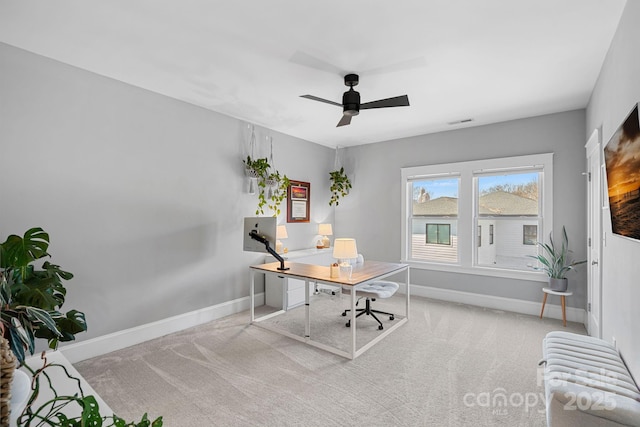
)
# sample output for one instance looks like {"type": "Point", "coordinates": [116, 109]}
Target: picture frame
{"type": "Point", "coordinates": [298, 198]}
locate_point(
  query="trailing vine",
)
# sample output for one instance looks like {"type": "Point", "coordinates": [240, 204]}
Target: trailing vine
{"type": "Point", "coordinates": [272, 187]}
{"type": "Point", "coordinates": [340, 186]}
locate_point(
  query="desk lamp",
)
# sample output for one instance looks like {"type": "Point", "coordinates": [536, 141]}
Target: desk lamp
{"type": "Point", "coordinates": [281, 233]}
{"type": "Point", "coordinates": [325, 230]}
{"type": "Point", "coordinates": [345, 249]}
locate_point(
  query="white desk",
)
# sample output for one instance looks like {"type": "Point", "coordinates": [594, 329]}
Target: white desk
{"type": "Point", "coordinates": [290, 294]}
{"type": "Point", "coordinates": [362, 275]}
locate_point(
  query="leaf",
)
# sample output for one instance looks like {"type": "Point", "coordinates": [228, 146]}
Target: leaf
{"type": "Point", "coordinates": [44, 317]}
{"type": "Point", "coordinates": [17, 344]}
{"type": "Point", "coordinates": [19, 252]}
{"type": "Point", "coordinates": [91, 412]}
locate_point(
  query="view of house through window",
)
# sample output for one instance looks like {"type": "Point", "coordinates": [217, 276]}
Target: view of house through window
{"type": "Point", "coordinates": [508, 204]}
{"type": "Point", "coordinates": [485, 216]}
{"type": "Point", "coordinates": [434, 220]}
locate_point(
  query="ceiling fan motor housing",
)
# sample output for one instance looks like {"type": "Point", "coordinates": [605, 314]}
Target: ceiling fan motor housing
{"type": "Point", "coordinates": [351, 102]}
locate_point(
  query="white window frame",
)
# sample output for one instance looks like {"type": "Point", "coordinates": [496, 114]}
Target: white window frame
{"type": "Point", "coordinates": [466, 210]}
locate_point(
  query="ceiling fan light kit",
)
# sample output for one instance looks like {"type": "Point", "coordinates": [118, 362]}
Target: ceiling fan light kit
{"type": "Point", "coordinates": [351, 105]}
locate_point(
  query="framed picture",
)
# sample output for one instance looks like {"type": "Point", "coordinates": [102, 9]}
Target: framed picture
{"type": "Point", "coordinates": [298, 197]}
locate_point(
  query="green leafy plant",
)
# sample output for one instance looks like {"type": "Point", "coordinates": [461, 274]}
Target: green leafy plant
{"type": "Point", "coordinates": [340, 186]}
{"type": "Point", "coordinates": [50, 413]}
{"type": "Point", "coordinates": [555, 260]}
{"type": "Point", "coordinates": [278, 191]}
{"type": "Point", "coordinates": [31, 299]}
{"type": "Point", "coordinates": [272, 187]}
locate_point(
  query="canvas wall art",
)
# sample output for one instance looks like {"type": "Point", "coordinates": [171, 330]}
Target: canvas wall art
{"type": "Point", "coordinates": [622, 162]}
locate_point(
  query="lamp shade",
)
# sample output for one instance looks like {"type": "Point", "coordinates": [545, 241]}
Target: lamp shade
{"type": "Point", "coordinates": [281, 232]}
{"type": "Point", "coordinates": [325, 229]}
{"type": "Point", "coordinates": [345, 248]}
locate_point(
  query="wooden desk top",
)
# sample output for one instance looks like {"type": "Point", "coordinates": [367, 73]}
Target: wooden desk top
{"type": "Point", "coordinates": [361, 272]}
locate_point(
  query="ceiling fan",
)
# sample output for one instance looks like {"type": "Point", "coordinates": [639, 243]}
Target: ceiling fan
{"type": "Point", "coordinates": [351, 105]}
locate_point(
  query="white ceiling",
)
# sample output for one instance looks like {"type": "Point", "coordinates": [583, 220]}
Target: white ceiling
{"type": "Point", "coordinates": [488, 60]}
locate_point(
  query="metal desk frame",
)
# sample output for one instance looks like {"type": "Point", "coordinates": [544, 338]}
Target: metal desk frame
{"type": "Point", "coordinates": [362, 275]}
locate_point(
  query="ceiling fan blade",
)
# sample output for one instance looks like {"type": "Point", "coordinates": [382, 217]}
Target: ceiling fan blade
{"type": "Point", "coordinates": [345, 120]}
{"type": "Point", "coordinates": [398, 101]}
{"type": "Point", "coordinates": [315, 98]}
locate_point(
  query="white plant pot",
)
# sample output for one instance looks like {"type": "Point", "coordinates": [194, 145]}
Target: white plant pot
{"type": "Point", "coordinates": [20, 390]}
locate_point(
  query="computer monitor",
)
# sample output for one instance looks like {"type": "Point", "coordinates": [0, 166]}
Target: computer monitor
{"type": "Point", "coordinates": [264, 227]}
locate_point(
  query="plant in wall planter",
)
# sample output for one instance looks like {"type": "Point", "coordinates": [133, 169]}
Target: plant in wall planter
{"type": "Point", "coordinates": [340, 186]}
{"type": "Point", "coordinates": [555, 261]}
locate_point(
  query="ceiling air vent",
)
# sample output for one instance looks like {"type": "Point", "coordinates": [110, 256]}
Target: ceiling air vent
{"type": "Point", "coordinates": [459, 122]}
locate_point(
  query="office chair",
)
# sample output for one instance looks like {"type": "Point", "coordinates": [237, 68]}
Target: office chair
{"type": "Point", "coordinates": [378, 289]}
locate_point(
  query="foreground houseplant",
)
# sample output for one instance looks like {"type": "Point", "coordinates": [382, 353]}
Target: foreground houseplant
{"type": "Point", "coordinates": [31, 298]}
{"type": "Point", "coordinates": [555, 261]}
{"type": "Point", "coordinates": [30, 301]}
{"type": "Point", "coordinates": [50, 413]}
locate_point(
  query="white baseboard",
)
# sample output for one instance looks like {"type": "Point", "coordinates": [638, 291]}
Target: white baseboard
{"type": "Point", "coordinates": [107, 343]}
{"type": "Point", "coordinates": [118, 340]}
{"type": "Point", "coordinates": [500, 303]}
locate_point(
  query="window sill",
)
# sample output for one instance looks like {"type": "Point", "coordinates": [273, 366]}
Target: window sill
{"type": "Point", "coordinates": [481, 271]}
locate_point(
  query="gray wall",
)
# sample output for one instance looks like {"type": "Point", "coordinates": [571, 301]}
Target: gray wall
{"type": "Point", "coordinates": [616, 92]}
{"type": "Point", "coordinates": [143, 195]}
{"type": "Point", "coordinates": [375, 169]}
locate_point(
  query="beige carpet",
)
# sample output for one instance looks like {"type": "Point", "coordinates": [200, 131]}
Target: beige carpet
{"type": "Point", "coordinates": [450, 365]}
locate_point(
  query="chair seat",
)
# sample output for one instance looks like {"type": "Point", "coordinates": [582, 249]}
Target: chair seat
{"type": "Point", "coordinates": [379, 289]}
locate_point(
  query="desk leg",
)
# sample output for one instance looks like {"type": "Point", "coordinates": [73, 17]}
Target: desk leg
{"type": "Point", "coordinates": [252, 287]}
{"type": "Point", "coordinates": [307, 322]}
{"type": "Point", "coordinates": [353, 323]}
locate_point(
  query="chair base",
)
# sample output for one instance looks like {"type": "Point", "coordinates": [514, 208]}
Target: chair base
{"type": "Point", "coordinates": [369, 312]}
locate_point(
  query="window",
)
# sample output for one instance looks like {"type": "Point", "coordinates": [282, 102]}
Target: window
{"type": "Point", "coordinates": [439, 234]}
{"type": "Point", "coordinates": [447, 207]}
{"type": "Point", "coordinates": [434, 219]}
{"type": "Point", "coordinates": [529, 234]}
{"type": "Point", "coordinates": [509, 200]}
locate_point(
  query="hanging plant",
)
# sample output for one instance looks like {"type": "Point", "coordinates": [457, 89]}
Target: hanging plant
{"type": "Point", "coordinates": [272, 187]}
{"type": "Point", "coordinates": [340, 186]}
{"type": "Point", "coordinates": [278, 192]}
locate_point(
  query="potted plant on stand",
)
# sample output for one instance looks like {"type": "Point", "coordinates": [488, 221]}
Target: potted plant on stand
{"type": "Point", "coordinates": [555, 261]}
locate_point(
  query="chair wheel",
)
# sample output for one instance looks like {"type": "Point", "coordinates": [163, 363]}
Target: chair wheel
{"type": "Point", "coordinates": [391, 317]}
{"type": "Point", "coordinates": [344, 313]}
{"type": "Point", "coordinates": [348, 324]}
{"type": "Point", "coordinates": [380, 327]}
